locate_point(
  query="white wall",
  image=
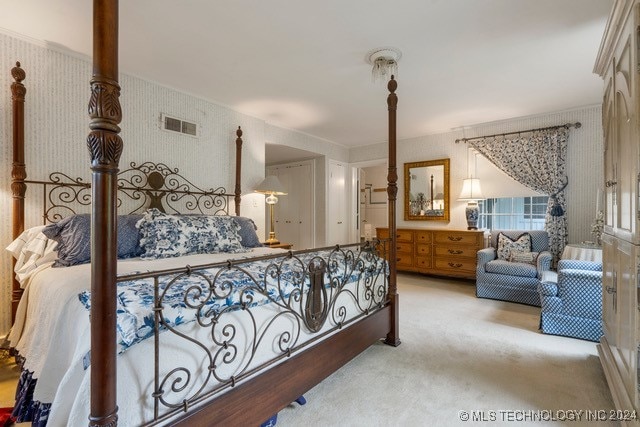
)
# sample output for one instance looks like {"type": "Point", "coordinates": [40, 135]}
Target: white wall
{"type": "Point", "coordinates": [585, 165]}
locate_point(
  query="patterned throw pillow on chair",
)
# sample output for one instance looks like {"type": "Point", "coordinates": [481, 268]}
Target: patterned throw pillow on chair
{"type": "Point", "coordinates": [525, 257]}
{"type": "Point", "coordinates": [506, 245]}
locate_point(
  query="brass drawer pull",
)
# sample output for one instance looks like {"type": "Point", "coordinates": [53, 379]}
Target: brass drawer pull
{"type": "Point", "coordinates": [611, 290]}
{"type": "Point", "coordinates": [455, 265]}
{"type": "Point", "coordinates": [454, 239]}
{"type": "Point", "coordinates": [455, 251]}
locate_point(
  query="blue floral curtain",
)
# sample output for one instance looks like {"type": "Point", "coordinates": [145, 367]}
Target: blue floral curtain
{"type": "Point", "coordinates": [537, 160]}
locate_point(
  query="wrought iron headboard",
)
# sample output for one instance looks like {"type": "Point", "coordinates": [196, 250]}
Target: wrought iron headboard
{"type": "Point", "coordinates": [141, 187]}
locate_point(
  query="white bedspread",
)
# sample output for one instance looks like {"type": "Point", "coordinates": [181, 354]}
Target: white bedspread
{"type": "Point", "coordinates": [52, 328]}
{"type": "Point", "coordinates": [52, 332]}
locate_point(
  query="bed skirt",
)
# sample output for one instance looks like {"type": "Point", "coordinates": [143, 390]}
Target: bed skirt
{"type": "Point", "coordinates": [26, 409]}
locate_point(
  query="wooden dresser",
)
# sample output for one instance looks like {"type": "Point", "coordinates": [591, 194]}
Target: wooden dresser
{"type": "Point", "coordinates": [439, 252]}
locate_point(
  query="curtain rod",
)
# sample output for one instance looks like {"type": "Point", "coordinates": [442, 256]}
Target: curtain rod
{"type": "Point", "coordinates": [566, 125]}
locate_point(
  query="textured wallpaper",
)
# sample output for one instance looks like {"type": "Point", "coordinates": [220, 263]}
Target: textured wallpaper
{"type": "Point", "coordinates": [57, 126]}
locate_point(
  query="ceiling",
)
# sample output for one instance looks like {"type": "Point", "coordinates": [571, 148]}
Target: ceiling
{"type": "Point", "coordinates": [301, 64]}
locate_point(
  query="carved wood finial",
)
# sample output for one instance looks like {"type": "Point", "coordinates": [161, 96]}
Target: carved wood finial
{"type": "Point", "coordinates": [18, 91]}
{"type": "Point", "coordinates": [392, 99]}
{"type": "Point", "coordinates": [18, 73]}
{"type": "Point", "coordinates": [393, 84]}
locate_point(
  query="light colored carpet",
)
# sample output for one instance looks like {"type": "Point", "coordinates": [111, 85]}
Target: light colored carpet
{"type": "Point", "coordinates": [460, 353]}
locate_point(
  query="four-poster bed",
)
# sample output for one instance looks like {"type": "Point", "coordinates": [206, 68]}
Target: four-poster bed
{"type": "Point", "coordinates": [330, 332]}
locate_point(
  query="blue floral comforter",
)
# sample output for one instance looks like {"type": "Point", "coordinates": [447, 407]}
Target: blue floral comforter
{"type": "Point", "coordinates": [184, 297]}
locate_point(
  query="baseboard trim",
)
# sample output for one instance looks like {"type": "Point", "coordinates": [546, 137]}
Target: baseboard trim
{"type": "Point", "coordinates": [618, 391]}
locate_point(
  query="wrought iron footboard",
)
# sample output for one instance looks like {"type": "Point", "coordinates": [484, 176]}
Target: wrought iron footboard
{"type": "Point", "coordinates": [238, 320]}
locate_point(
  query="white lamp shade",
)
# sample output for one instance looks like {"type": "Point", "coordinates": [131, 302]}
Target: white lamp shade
{"type": "Point", "coordinates": [471, 189]}
{"type": "Point", "coordinates": [271, 185]}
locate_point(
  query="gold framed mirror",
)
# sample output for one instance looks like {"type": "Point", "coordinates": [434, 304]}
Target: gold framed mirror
{"type": "Point", "coordinates": [426, 190]}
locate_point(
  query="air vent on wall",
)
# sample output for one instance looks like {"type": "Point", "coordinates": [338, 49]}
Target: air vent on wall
{"type": "Point", "coordinates": [173, 124]}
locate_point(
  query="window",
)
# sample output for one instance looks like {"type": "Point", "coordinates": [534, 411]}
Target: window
{"type": "Point", "coordinates": [513, 213]}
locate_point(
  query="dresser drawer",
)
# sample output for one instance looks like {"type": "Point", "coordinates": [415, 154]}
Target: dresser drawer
{"type": "Point", "coordinates": [423, 237]}
{"type": "Point", "coordinates": [423, 262]}
{"type": "Point", "coordinates": [461, 265]}
{"type": "Point", "coordinates": [456, 251]}
{"type": "Point", "coordinates": [448, 237]}
{"type": "Point", "coordinates": [404, 260]}
{"type": "Point", "coordinates": [404, 235]}
{"type": "Point", "coordinates": [423, 250]}
{"type": "Point", "coordinates": [404, 247]}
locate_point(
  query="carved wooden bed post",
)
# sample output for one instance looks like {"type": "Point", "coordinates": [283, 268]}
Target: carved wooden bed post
{"type": "Point", "coordinates": [238, 189]}
{"type": "Point", "coordinates": [392, 192]}
{"type": "Point", "coordinates": [105, 147]}
{"type": "Point", "coordinates": [18, 170]}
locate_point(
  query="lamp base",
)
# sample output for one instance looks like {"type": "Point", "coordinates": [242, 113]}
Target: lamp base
{"type": "Point", "coordinates": [272, 239]}
{"type": "Point", "coordinates": [472, 213]}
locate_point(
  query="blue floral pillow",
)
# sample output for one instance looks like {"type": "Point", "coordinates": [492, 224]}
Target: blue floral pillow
{"type": "Point", "coordinates": [164, 235]}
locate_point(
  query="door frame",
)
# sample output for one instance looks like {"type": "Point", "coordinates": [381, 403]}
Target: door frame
{"type": "Point", "coordinates": [354, 173]}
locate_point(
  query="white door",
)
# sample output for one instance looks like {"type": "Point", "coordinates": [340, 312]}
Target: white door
{"type": "Point", "coordinates": [294, 211]}
{"type": "Point", "coordinates": [338, 201]}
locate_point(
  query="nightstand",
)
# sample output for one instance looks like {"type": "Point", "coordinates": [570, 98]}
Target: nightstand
{"type": "Point", "coordinates": [280, 245]}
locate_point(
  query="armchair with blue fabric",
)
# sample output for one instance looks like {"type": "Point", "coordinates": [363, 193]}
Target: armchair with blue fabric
{"type": "Point", "coordinates": [513, 275]}
{"type": "Point", "coordinates": [572, 305]}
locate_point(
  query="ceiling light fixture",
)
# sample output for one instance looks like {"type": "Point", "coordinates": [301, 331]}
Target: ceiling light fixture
{"type": "Point", "coordinates": [384, 61]}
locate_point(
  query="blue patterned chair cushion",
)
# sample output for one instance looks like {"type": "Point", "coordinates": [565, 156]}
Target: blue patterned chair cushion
{"type": "Point", "coordinates": [519, 269]}
{"type": "Point", "coordinates": [507, 245]}
{"type": "Point", "coordinates": [164, 235]}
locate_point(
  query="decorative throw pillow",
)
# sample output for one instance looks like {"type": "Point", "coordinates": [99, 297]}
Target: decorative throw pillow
{"type": "Point", "coordinates": [506, 245]}
{"type": "Point", "coordinates": [525, 257]}
{"type": "Point", "coordinates": [73, 235]}
{"type": "Point", "coordinates": [247, 232]}
{"type": "Point", "coordinates": [165, 235]}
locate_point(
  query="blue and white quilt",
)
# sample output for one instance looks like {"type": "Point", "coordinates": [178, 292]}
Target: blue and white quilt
{"type": "Point", "coordinates": [188, 295]}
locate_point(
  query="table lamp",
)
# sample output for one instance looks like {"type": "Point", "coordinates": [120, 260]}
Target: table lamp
{"type": "Point", "coordinates": [471, 192]}
{"type": "Point", "coordinates": [272, 187]}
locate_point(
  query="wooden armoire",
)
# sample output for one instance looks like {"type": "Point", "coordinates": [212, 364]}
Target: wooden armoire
{"type": "Point", "coordinates": [618, 63]}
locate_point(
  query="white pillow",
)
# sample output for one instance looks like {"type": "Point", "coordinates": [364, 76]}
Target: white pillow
{"type": "Point", "coordinates": [31, 249]}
